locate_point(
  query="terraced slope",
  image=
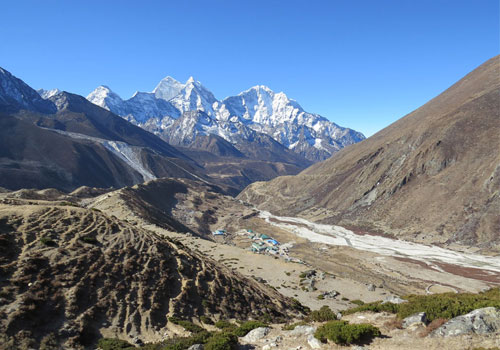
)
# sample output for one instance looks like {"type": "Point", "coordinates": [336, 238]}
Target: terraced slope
{"type": "Point", "coordinates": [72, 275]}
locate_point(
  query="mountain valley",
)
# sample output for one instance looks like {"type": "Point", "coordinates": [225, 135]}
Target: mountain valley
{"type": "Point", "coordinates": [173, 219]}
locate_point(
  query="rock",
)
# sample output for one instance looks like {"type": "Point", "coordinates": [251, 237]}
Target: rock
{"type": "Point", "coordinates": [480, 321]}
{"type": "Point", "coordinates": [278, 339]}
{"type": "Point", "coordinates": [371, 287]}
{"type": "Point", "coordinates": [196, 347]}
{"type": "Point", "coordinates": [415, 320]}
{"type": "Point", "coordinates": [338, 316]}
{"type": "Point", "coordinates": [256, 334]}
{"type": "Point", "coordinates": [313, 342]}
{"type": "Point", "coordinates": [259, 279]}
{"type": "Point", "coordinates": [393, 299]}
{"type": "Point", "coordinates": [309, 273]}
{"type": "Point", "coordinates": [137, 341]}
{"type": "Point", "coordinates": [266, 347]}
{"type": "Point", "coordinates": [303, 330]}
{"type": "Point", "coordinates": [331, 294]}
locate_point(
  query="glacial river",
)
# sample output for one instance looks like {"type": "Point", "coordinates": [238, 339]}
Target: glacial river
{"type": "Point", "coordinates": [339, 236]}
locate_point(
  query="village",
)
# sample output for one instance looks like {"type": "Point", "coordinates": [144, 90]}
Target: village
{"type": "Point", "coordinates": [262, 244]}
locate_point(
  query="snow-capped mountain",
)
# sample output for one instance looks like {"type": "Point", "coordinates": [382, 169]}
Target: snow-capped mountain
{"type": "Point", "coordinates": [15, 94]}
{"type": "Point", "coordinates": [46, 94]}
{"type": "Point", "coordinates": [257, 109]}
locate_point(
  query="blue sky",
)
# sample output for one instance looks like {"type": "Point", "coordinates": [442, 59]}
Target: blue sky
{"type": "Point", "coordinates": [362, 64]}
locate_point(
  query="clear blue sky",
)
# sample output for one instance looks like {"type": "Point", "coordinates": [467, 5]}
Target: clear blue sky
{"type": "Point", "coordinates": [362, 64]}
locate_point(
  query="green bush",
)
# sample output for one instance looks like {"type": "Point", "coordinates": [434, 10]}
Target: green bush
{"type": "Point", "coordinates": [376, 306]}
{"type": "Point", "coordinates": [358, 302]}
{"type": "Point", "coordinates": [247, 326]}
{"type": "Point", "coordinates": [291, 327]}
{"type": "Point", "coordinates": [182, 343]}
{"type": "Point", "coordinates": [222, 341]}
{"type": "Point", "coordinates": [446, 305]}
{"type": "Point", "coordinates": [187, 325]}
{"type": "Point", "coordinates": [114, 344]}
{"type": "Point", "coordinates": [223, 324]}
{"type": "Point", "coordinates": [322, 315]}
{"type": "Point", "coordinates": [341, 332]}
{"type": "Point", "coordinates": [321, 297]}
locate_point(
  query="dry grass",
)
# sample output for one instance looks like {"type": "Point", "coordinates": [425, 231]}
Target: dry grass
{"type": "Point", "coordinates": [438, 322]}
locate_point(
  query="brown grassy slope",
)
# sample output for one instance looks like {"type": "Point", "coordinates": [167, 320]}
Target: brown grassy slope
{"type": "Point", "coordinates": [433, 175]}
{"type": "Point", "coordinates": [73, 272]}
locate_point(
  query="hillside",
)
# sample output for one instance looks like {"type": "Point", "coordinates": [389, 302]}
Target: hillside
{"type": "Point", "coordinates": [72, 275]}
{"type": "Point", "coordinates": [432, 176]}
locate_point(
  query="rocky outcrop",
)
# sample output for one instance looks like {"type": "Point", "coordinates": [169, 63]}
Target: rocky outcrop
{"type": "Point", "coordinates": [256, 334]}
{"type": "Point", "coordinates": [415, 320]}
{"type": "Point", "coordinates": [480, 321]}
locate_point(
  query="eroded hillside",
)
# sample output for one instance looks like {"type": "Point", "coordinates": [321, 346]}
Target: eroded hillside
{"type": "Point", "coordinates": [75, 274]}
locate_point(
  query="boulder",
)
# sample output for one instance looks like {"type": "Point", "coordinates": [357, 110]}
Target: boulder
{"type": "Point", "coordinates": [256, 334]}
{"type": "Point", "coordinates": [196, 347]}
{"type": "Point", "coordinates": [303, 330]}
{"type": "Point", "coordinates": [330, 295]}
{"type": "Point", "coordinates": [371, 287]}
{"type": "Point", "coordinates": [480, 321]}
{"type": "Point", "coordinates": [415, 320]}
{"type": "Point", "coordinates": [394, 299]}
{"type": "Point", "coordinates": [313, 342]}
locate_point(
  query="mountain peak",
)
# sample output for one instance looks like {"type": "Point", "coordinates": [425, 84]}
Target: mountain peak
{"type": "Point", "coordinates": [16, 94]}
{"type": "Point", "coordinates": [190, 80]}
{"type": "Point", "coordinates": [167, 88]}
{"type": "Point", "coordinates": [46, 94]}
{"type": "Point", "coordinates": [103, 96]}
{"type": "Point", "coordinates": [259, 89]}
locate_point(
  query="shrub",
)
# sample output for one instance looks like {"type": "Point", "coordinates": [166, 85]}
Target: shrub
{"type": "Point", "coordinates": [358, 302]}
{"type": "Point", "coordinates": [183, 343]}
{"type": "Point", "coordinates": [113, 344]}
{"type": "Point", "coordinates": [291, 327]}
{"type": "Point", "coordinates": [206, 320]}
{"type": "Point", "coordinates": [448, 305]}
{"type": "Point", "coordinates": [321, 297]}
{"type": "Point", "coordinates": [341, 332]}
{"type": "Point", "coordinates": [322, 315]}
{"type": "Point", "coordinates": [187, 325]}
{"type": "Point", "coordinates": [435, 324]}
{"type": "Point", "coordinates": [223, 324]}
{"type": "Point", "coordinates": [265, 318]}
{"type": "Point", "coordinates": [222, 341]}
{"type": "Point", "coordinates": [48, 242]}
{"type": "Point", "coordinates": [375, 307]}
{"type": "Point", "coordinates": [89, 239]}
{"type": "Point", "coordinates": [247, 326]}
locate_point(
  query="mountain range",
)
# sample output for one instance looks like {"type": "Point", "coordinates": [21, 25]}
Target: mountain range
{"type": "Point", "coordinates": [433, 176]}
{"type": "Point", "coordinates": [53, 138]}
{"type": "Point", "coordinates": [65, 142]}
{"type": "Point", "coordinates": [180, 113]}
